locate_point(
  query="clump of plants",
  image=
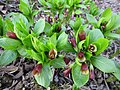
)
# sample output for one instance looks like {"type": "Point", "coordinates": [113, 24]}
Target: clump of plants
{"type": "Point", "coordinates": [73, 26]}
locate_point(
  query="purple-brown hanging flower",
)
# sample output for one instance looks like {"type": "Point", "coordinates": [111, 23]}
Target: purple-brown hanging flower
{"type": "Point", "coordinates": [103, 25]}
{"type": "Point", "coordinates": [67, 72]}
{"type": "Point", "coordinates": [66, 60]}
{"type": "Point", "coordinates": [82, 35]}
{"type": "Point", "coordinates": [92, 75]}
{"type": "Point", "coordinates": [52, 54]}
{"type": "Point", "coordinates": [73, 42]}
{"type": "Point", "coordinates": [92, 48]}
{"type": "Point", "coordinates": [59, 29]}
{"type": "Point", "coordinates": [84, 69]}
{"type": "Point", "coordinates": [11, 35]}
{"type": "Point", "coordinates": [81, 56]}
{"type": "Point", "coordinates": [37, 69]}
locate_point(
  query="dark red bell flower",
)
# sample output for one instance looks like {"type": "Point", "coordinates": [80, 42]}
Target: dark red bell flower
{"type": "Point", "coordinates": [66, 60]}
{"type": "Point", "coordinates": [11, 35]}
{"type": "Point", "coordinates": [92, 75]}
{"type": "Point", "coordinates": [81, 56]}
{"type": "Point", "coordinates": [37, 69]}
{"type": "Point", "coordinates": [73, 42]}
{"type": "Point", "coordinates": [82, 35]}
{"type": "Point", "coordinates": [67, 72]}
{"type": "Point", "coordinates": [52, 54]}
{"type": "Point", "coordinates": [84, 69]}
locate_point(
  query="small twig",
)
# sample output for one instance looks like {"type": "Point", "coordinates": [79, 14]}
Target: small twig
{"type": "Point", "coordinates": [106, 82]}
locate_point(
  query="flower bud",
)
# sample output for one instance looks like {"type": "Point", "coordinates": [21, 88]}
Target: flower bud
{"type": "Point", "coordinates": [37, 69]}
{"type": "Point", "coordinates": [49, 19]}
{"type": "Point", "coordinates": [11, 35]}
{"type": "Point", "coordinates": [82, 35]}
{"type": "Point", "coordinates": [56, 16]}
{"type": "Point", "coordinates": [92, 75]}
{"type": "Point", "coordinates": [88, 7]}
{"type": "Point", "coordinates": [67, 72]}
{"type": "Point", "coordinates": [52, 54]}
{"type": "Point", "coordinates": [66, 60]}
{"type": "Point", "coordinates": [92, 48]}
{"type": "Point", "coordinates": [81, 57]}
{"type": "Point", "coordinates": [73, 42]}
{"type": "Point", "coordinates": [84, 69]}
{"type": "Point", "coordinates": [59, 28]}
{"type": "Point", "coordinates": [103, 25]}
{"type": "Point", "coordinates": [66, 11]}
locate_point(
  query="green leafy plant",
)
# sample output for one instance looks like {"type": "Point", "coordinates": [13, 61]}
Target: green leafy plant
{"type": "Point", "coordinates": [107, 23]}
{"type": "Point", "coordinates": [43, 41]}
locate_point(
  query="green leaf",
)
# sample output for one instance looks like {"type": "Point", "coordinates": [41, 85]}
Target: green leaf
{"type": "Point", "coordinates": [112, 35]}
{"type": "Point", "coordinates": [113, 23]}
{"type": "Point", "coordinates": [78, 78]}
{"type": "Point", "coordinates": [95, 35]}
{"type": "Point", "coordinates": [22, 51]}
{"type": "Point", "coordinates": [58, 62]}
{"type": "Point", "coordinates": [18, 18]}
{"type": "Point", "coordinates": [91, 19]}
{"type": "Point", "coordinates": [35, 55]}
{"type": "Point", "coordinates": [35, 12]}
{"type": "Point", "coordinates": [70, 3]}
{"type": "Point", "coordinates": [62, 41]}
{"type": "Point", "coordinates": [77, 24]}
{"type": "Point", "coordinates": [47, 29]}
{"type": "Point", "coordinates": [7, 57]}
{"type": "Point", "coordinates": [104, 64]}
{"type": "Point", "coordinates": [38, 45]}
{"type": "Point", "coordinates": [44, 78]}
{"type": "Point", "coordinates": [80, 44]}
{"type": "Point", "coordinates": [117, 74]}
{"type": "Point", "coordinates": [39, 26]}
{"type": "Point", "coordinates": [1, 25]}
{"type": "Point", "coordinates": [8, 43]}
{"type": "Point", "coordinates": [53, 39]}
{"type": "Point", "coordinates": [107, 14]}
{"type": "Point", "coordinates": [21, 27]}
{"type": "Point", "coordinates": [27, 41]}
{"type": "Point", "coordinates": [78, 12]}
{"type": "Point", "coordinates": [42, 2]}
{"type": "Point", "coordinates": [101, 44]}
{"type": "Point", "coordinates": [25, 7]}
{"type": "Point", "coordinates": [9, 25]}
{"type": "Point", "coordinates": [88, 55]}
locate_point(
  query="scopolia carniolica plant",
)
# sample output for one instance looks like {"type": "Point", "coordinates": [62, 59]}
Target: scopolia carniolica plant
{"type": "Point", "coordinates": [43, 40]}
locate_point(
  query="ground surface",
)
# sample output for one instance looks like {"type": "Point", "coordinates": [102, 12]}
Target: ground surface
{"type": "Point", "coordinates": [18, 76]}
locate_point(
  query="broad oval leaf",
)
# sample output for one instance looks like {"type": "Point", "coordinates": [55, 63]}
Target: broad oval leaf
{"type": "Point", "coordinates": [62, 40]}
{"type": "Point", "coordinates": [44, 78]}
{"type": "Point", "coordinates": [78, 78]}
{"type": "Point", "coordinates": [114, 23]}
{"type": "Point", "coordinates": [58, 62]}
{"type": "Point", "coordinates": [117, 74]}
{"type": "Point", "coordinates": [107, 14]}
{"type": "Point", "coordinates": [104, 64]}
{"type": "Point", "coordinates": [35, 55]}
{"type": "Point", "coordinates": [102, 44]}
{"type": "Point", "coordinates": [95, 35]}
{"type": "Point", "coordinates": [9, 43]}
{"type": "Point", "coordinates": [39, 26]}
{"type": "Point", "coordinates": [91, 19]}
{"type": "Point", "coordinates": [112, 35]}
{"type": "Point", "coordinates": [7, 57]}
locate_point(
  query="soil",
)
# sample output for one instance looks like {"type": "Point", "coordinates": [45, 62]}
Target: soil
{"type": "Point", "coordinates": [18, 76]}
